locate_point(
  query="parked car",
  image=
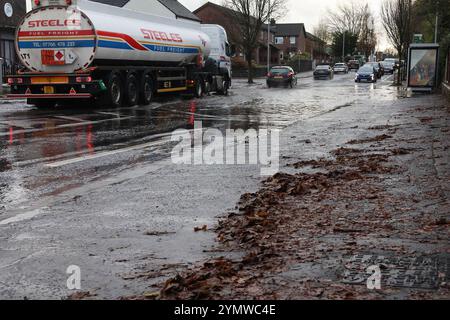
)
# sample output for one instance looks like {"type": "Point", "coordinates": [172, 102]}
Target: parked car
{"type": "Point", "coordinates": [378, 67]}
{"type": "Point", "coordinates": [281, 76]}
{"type": "Point", "coordinates": [323, 72]}
{"type": "Point", "coordinates": [367, 73]}
{"type": "Point", "coordinates": [340, 67]}
{"type": "Point", "coordinates": [353, 65]}
{"type": "Point", "coordinates": [388, 66]}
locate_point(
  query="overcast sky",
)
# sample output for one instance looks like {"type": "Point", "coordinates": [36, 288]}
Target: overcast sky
{"type": "Point", "coordinates": [311, 11]}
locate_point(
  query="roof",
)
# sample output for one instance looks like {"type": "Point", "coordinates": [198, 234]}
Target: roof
{"type": "Point", "coordinates": [177, 8]}
{"type": "Point", "coordinates": [290, 29]}
{"type": "Point", "coordinates": [226, 11]}
{"type": "Point", "coordinates": [115, 3]}
{"type": "Point", "coordinates": [313, 37]}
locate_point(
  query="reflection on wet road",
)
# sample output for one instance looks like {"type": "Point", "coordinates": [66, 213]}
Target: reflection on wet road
{"type": "Point", "coordinates": [51, 158]}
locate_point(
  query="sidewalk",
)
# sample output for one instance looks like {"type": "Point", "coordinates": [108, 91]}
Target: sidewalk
{"type": "Point", "coordinates": [363, 186]}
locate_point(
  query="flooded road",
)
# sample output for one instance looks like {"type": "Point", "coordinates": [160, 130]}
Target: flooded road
{"type": "Point", "coordinates": [96, 188]}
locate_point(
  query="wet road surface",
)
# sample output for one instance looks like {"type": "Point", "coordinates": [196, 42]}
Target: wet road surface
{"type": "Point", "coordinates": [95, 187]}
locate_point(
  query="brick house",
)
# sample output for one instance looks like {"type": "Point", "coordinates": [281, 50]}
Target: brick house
{"type": "Point", "coordinates": [290, 38]}
{"type": "Point", "coordinates": [211, 13]}
{"type": "Point", "coordinates": [11, 11]}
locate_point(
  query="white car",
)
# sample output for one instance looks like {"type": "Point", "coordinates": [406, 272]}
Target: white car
{"type": "Point", "coordinates": [340, 67]}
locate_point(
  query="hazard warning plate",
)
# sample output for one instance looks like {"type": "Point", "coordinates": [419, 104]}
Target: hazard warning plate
{"type": "Point", "coordinates": [53, 57]}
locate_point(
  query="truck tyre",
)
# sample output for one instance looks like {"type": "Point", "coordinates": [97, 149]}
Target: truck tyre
{"type": "Point", "coordinates": [198, 88]}
{"type": "Point", "coordinates": [146, 89]}
{"type": "Point", "coordinates": [114, 95]}
{"type": "Point", "coordinates": [132, 90]}
{"type": "Point", "coordinates": [226, 85]}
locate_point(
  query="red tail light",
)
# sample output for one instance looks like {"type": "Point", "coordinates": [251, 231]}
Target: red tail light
{"type": "Point", "coordinates": [69, 2]}
{"type": "Point", "coordinates": [15, 80]}
{"type": "Point", "coordinates": [269, 75]}
{"type": "Point", "coordinates": [84, 79]}
{"type": "Point", "coordinates": [37, 2]}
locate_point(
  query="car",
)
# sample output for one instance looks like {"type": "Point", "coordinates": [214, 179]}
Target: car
{"type": "Point", "coordinates": [353, 65]}
{"type": "Point", "coordinates": [388, 66]}
{"type": "Point", "coordinates": [366, 73]}
{"type": "Point", "coordinates": [281, 75]}
{"type": "Point", "coordinates": [379, 69]}
{"type": "Point", "coordinates": [340, 67]}
{"type": "Point", "coordinates": [323, 72]}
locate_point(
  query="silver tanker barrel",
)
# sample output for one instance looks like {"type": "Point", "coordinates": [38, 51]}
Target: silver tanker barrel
{"type": "Point", "coordinates": [66, 39]}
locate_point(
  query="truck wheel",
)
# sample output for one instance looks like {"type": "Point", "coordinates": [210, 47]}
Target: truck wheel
{"type": "Point", "coordinates": [225, 88]}
{"type": "Point", "coordinates": [132, 90]}
{"type": "Point", "coordinates": [198, 88]}
{"type": "Point", "coordinates": [146, 89]}
{"type": "Point", "coordinates": [115, 93]}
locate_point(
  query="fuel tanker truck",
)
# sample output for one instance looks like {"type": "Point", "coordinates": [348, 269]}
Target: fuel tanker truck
{"type": "Point", "coordinates": [88, 51]}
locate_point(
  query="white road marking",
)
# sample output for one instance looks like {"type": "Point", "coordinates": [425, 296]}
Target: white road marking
{"type": "Point", "coordinates": [21, 217]}
{"type": "Point", "coordinates": [69, 125]}
{"type": "Point", "coordinates": [104, 154]}
{"type": "Point", "coordinates": [70, 118]}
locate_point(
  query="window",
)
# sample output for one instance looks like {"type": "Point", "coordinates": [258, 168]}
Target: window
{"type": "Point", "coordinates": [293, 40]}
{"type": "Point", "coordinates": [279, 40]}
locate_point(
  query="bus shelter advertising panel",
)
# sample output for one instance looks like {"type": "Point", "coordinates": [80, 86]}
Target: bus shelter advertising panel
{"type": "Point", "coordinates": [422, 66]}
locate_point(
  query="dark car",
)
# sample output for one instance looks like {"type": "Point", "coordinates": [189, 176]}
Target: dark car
{"type": "Point", "coordinates": [378, 67]}
{"type": "Point", "coordinates": [284, 76]}
{"type": "Point", "coordinates": [389, 67]}
{"type": "Point", "coordinates": [353, 65]}
{"type": "Point", "coordinates": [366, 73]}
{"type": "Point", "coordinates": [323, 72]}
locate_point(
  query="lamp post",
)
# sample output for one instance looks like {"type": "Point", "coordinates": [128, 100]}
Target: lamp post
{"type": "Point", "coordinates": [268, 39]}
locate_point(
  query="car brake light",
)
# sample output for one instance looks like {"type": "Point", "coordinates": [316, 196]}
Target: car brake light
{"type": "Point", "coordinates": [269, 75]}
{"type": "Point", "coordinates": [69, 2]}
{"type": "Point", "coordinates": [37, 2]}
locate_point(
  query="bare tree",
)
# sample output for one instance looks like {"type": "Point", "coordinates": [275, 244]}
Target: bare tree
{"type": "Point", "coordinates": [367, 40]}
{"type": "Point", "coordinates": [250, 16]}
{"type": "Point", "coordinates": [346, 18]}
{"type": "Point", "coordinates": [322, 31]}
{"type": "Point", "coordinates": [396, 16]}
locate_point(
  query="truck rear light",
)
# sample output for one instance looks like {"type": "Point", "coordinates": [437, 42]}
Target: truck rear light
{"type": "Point", "coordinates": [37, 2]}
{"type": "Point", "coordinates": [83, 79]}
{"type": "Point", "coordinates": [69, 2]}
{"type": "Point", "coordinates": [15, 80]}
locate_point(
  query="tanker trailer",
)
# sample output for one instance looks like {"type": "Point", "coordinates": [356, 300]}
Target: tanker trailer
{"type": "Point", "coordinates": [84, 50]}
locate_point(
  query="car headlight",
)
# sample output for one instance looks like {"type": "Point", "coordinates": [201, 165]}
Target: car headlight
{"type": "Point", "coordinates": [372, 75]}
{"type": "Point", "coordinates": [357, 75]}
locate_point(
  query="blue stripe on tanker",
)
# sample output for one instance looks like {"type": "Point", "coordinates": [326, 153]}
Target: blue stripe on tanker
{"type": "Point", "coordinates": [160, 48]}
{"type": "Point", "coordinates": [114, 45]}
{"type": "Point", "coordinates": [56, 44]}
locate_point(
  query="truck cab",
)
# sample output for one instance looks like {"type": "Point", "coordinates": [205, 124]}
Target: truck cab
{"type": "Point", "coordinates": [221, 53]}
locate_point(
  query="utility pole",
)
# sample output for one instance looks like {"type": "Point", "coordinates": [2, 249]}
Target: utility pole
{"type": "Point", "coordinates": [436, 28]}
{"type": "Point", "coordinates": [343, 47]}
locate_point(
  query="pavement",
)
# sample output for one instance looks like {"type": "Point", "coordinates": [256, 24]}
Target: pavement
{"type": "Point", "coordinates": [364, 174]}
